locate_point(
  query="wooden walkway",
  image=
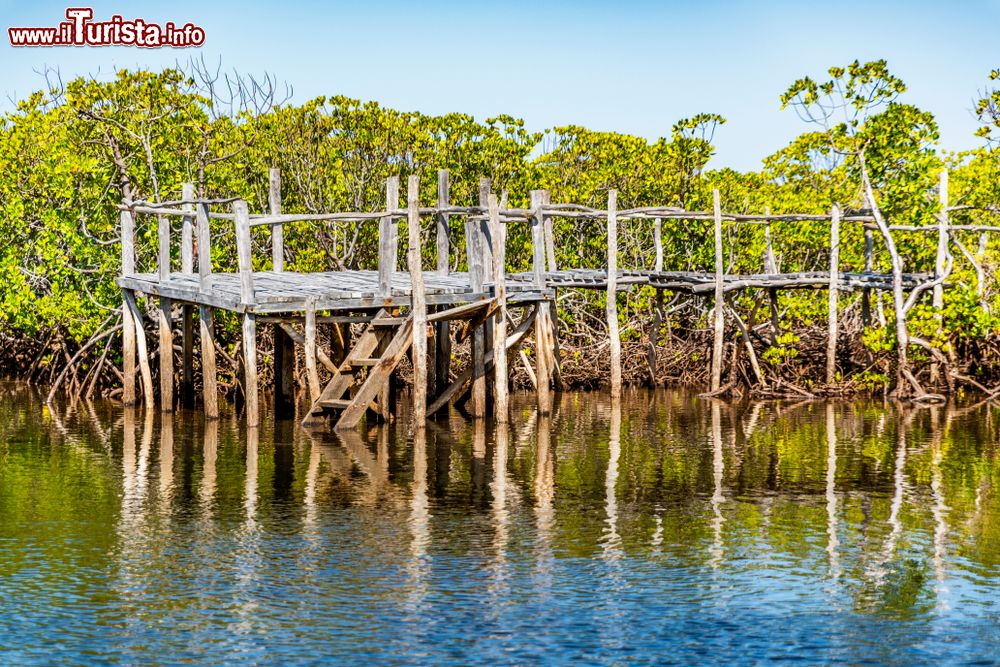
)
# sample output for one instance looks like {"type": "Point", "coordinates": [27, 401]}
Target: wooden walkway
{"type": "Point", "coordinates": [400, 312]}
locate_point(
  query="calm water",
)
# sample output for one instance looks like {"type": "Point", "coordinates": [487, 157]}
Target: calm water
{"type": "Point", "coordinates": [669, 530]}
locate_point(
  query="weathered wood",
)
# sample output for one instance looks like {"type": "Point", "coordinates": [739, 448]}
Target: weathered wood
{"type": "Point", "coordinates": [243, 252]}
{"type": "Point", "coordinates": [377, 377]}
{"type": "Point", "coordinates": [483, 222]}
{"type": "Point", "coordinates": [831, 342]}
{"type": "Point", "coordinates": [312, 373]}
{"type": "Point", "coordinates": [283, 373]}
{"type": "Point", "coordinates": [250, 384]}
{"type": "Point", "coordinates": [418, 301]}
{"type": "Point", "coordinates": [474, 257]}
{"type": "Point", "coordinates": [771, 266]}
{"type": "Point", "coordinates": [127, 225]}
{"type": "Point", "coordinates": [499, 233]}
{"type": "Point", "coordinates": [866, 294]}
{"type": "Point", "coordinates": [187, 310]}
{"type": "Point", "coordinates": [141, 348]}
{"type": "Point", "coordinates": [323, 358]}
{"type": "Point", "coordinates": [277, 231]}
{"type": "Point", "coordinates": [166, 355]}
{"type": "Point", "coordinates": [163, 250]}
{"type": "Point", "coordinates": [658, 242]}
{"type": "Point", "coordinates": [542, 374]}
{"type": "Point", "coordinates": [210, 391]}
{"type": "Point", "coordinates": [720, 317]}
{"type": "Point", "coordinates": [612, 297]}
{"type": "Point", "coordinates": [550, 241]}
{"type": "Point", "coordinates": [654, 337]}
{"type": "Point", "coordinates": [388, 239]}
{"type": "Point", "coordinates": [442, 333]}
{"type": "Point", "coordinates": [940, 259]}
{"type": "Point", "coordinates": [203, 217]}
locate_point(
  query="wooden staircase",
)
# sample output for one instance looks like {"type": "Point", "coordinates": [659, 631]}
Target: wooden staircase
{"type": "Point", "coordinates": [362, 376]}
{"type": "Point", "coordinates": [360, 380]}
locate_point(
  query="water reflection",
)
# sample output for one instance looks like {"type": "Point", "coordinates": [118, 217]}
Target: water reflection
{"type": "Point", "coordinates": [607, 532]}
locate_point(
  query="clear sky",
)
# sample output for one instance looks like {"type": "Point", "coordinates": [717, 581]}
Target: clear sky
{"type": "Point", "coordinates": [632, 67]}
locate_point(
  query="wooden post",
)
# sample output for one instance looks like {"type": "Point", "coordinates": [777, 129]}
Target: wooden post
{"type": "Point", "coordinates": [245, 262]}
{"type": "Point", "coordinates": [474, 256]}
{"type": "Point", "coordinates": [209, 381]}
{"type": "Point", "coordinates": [542, 376]}
{"type": "Point", "coordinates": [939, 264]}
{"type": "Point", "coordinates": [485, 330]}
{"type": "Point", "coordinates": [657, 322]}
{"type": "Point", "coordinates": [552, 326]}
{"type": "Point", "coordinates": [771, 267]}
{"type": "Point", "coordinates": [310, 352]}
{"type": "Point", "coordinates": [142, 349]}
{"type": "Point", "coordinates": [831, 341]}
{"type": "Point", "coordinates": [127, 224]}
{"type": "Point", "coordinates": [204, 247]}
{"type": "Point", "coordinates": [550, 241]}
{"type": "Point", "coordinates": [277, 231]}
{"type": "Point", "coordinates": [612, 296]}
{"type": "Point", "coordinates": [165, 319]}
{"type": "Point", "coordinates": [418, 301]}
{"type": "Point", "coordinates": [720, 314]}
{"type": "Point", "coordinates": [187, 310]}
{"type": "Point", "coordinates": [499, 233]}
{"type": "Point", "coordinates": [866, 293]}
{"type": "Point", "coordinates": [442, 338]}
{"type": "Point", "coordinates": [388, 239]}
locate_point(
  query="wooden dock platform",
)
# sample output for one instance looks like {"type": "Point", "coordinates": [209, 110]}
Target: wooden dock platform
{"type": "Point", "coordinates": [399, 311]}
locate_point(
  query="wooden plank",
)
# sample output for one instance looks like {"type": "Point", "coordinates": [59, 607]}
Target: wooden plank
{"type": "Point", "coordinates": [831, 343]}
{"type": "Point", "coordinates": [501, 409]}
{"type": "Point", "coordinates": [419, 307]}
{"type": "Point", "coordinates": [243, 252]}
{"type": "Point", "coordinates": [277, 231]}
{"type": "Point", "coordinates": [720, 321]}
{"type": "Point", "coordinates": [210, 391]}
{"type": "Point", "coordinates": [940, 260]}
{"type": "Point", "coordinates": [250, 385]}
{"type": "Point", "coordinates": [388, 239]}
{"type": "Point", "coordinates": [611, 299]}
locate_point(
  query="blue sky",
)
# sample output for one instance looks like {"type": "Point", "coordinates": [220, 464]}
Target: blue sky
{"type": "Point", "coordinates": [628, 67]}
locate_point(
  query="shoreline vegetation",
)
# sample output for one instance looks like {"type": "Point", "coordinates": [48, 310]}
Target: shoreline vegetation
{"type": "Point", "coordinates": [73, 151]}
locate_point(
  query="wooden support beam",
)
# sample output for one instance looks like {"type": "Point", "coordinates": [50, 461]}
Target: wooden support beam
{"type": "Point", "coordinates": [388, 239]}
{"type": "Point", "coordinates": [310, 348]}
{"type": "Point", "coordinates": [418, 302]}
{"type": "Point", "coordinates": [203, 217]}
{"type": "Point", "coordinates": [209, 377]}
{"type": "Point", "coordinates": [474, 257]}
{"type": "Point", "coordinates": [940, 261]}
{"type": "Point", "coordinates": [127, 224]}
{"type": "Point", "coordinates": [831, 343]}
{"type": "Point", "coordinates": [250, 386]}
{"type": "Point", "coordinates": [720, 311]}
{"type": "Point", "coordinates": [166, 355]}
{"type": "Point", "coordinates": [442, 333]}
{"type": "Point", "coordinates": [142, 349]}
{"type": "Point", "coordinates": [499, 233]}
{"type": "Point", "coordinates": [187, 310]}
{"type": "Point", "coordinates": [654, 337]}
{"type": "Point", "coordinates": [658, 242]}
{"type": "Point", "coordinates": [866, 293]}
{"type": "Point", "coordinates": [277, 231]}
{"type": "Point", "coordinates": [612, 296]}
{"type": "Point", "coordinates": [550, 240]}
{"type": "Point", "coordinates": [771, 267]}
{"type": "Point", "coordinates": [542, 375]}
{"type": "Point", "coordinates": [485, 331]}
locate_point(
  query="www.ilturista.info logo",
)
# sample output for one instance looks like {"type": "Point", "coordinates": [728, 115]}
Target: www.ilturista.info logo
{"type": "Point", "coordinates": [80, 30]}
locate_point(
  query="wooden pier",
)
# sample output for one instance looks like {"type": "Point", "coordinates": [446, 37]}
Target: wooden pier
{"type": "Point", "coordinates": [420, 312]}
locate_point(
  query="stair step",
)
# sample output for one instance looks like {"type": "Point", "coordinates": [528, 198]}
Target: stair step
{"type": "Point", "coordinates": [388, 321]}
{"type": "Point", "coordinates": [336, 403]}
{"type": "Point", "coordinates": [371, 361]}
